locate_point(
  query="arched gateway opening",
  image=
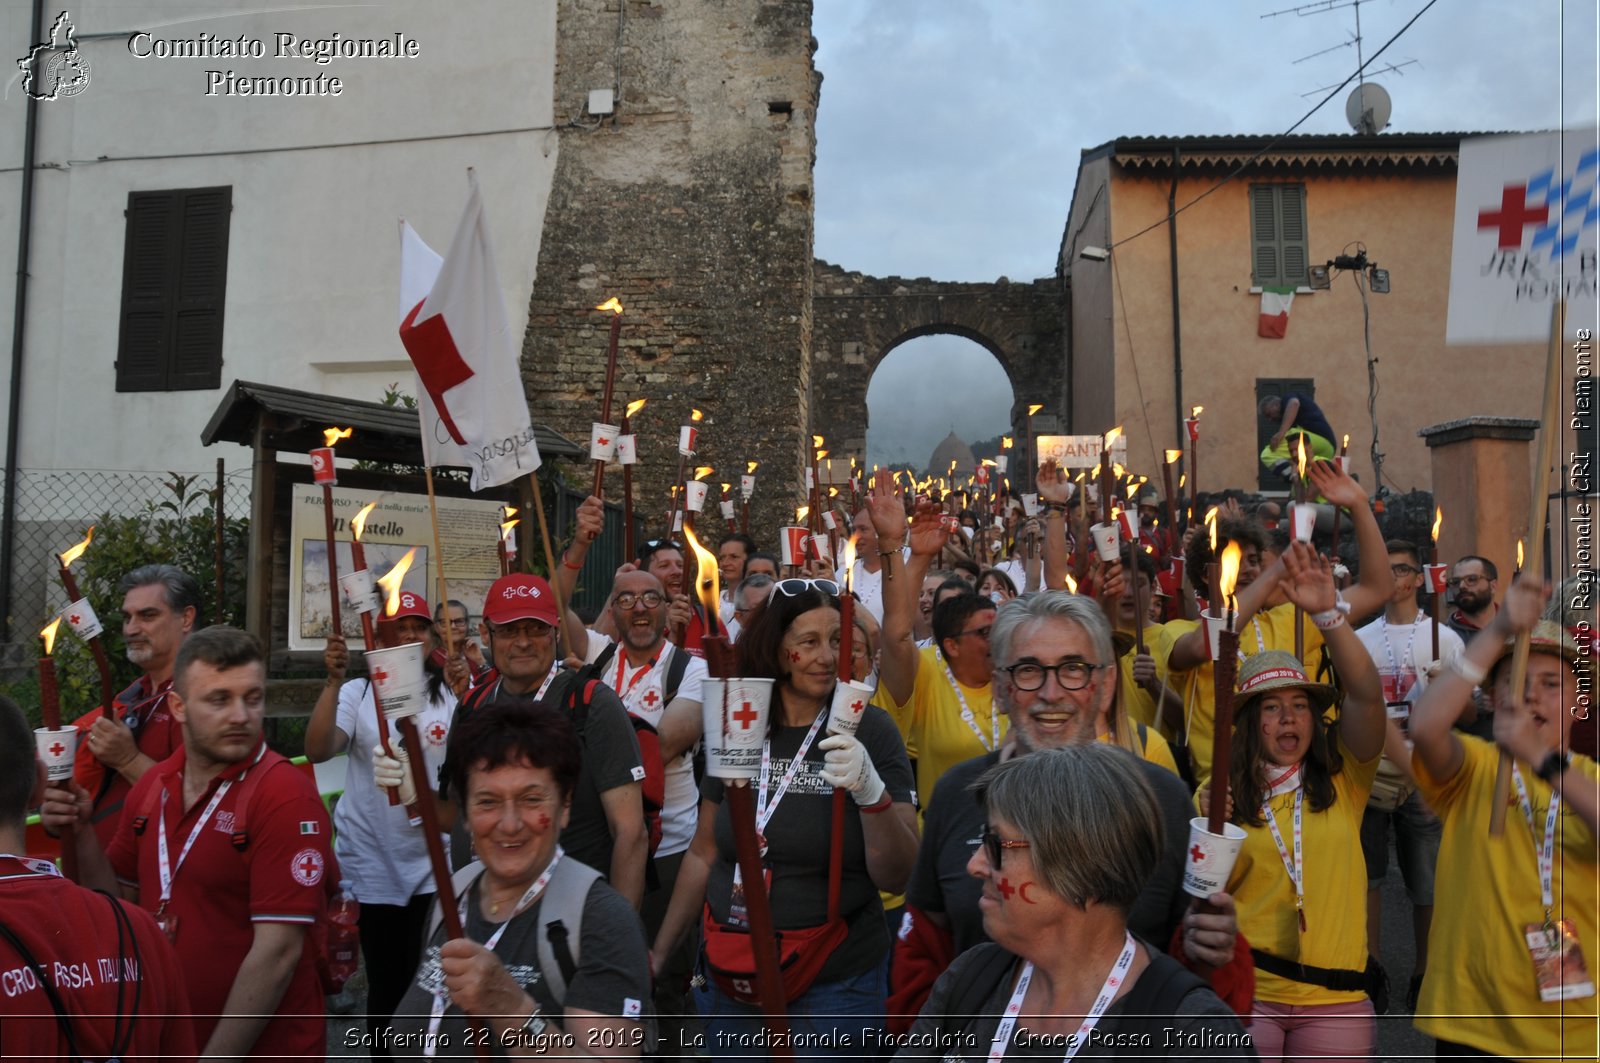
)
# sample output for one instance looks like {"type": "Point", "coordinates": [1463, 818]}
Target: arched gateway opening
{"type": "Point", "coordinates": [936, 391]}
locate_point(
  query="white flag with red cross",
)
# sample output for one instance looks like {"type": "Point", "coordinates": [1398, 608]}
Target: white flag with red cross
{"type": "Point", "coordinates": [454, 326]}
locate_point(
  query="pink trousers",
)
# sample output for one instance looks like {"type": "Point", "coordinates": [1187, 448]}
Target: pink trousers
{"type": "Point", "coordinates": [1329, 1033]}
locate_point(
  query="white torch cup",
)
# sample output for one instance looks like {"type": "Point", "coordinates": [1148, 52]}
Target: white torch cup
{"type": "Point", "coordinates": [1214, 626]}
{"type": "Point", "coordinates": [819, 545]}
{"type": "Point", "coordinates": [727, 508]}
{"type": "Point", "coordinates": [1303, 516]}
{"type": "Point", "coordinates": [1030, 505]}
{"type": "Point", "coordinates": [794, 545]}
{"type": "Point", "coordinates": [56, 749]}
{"type": "Point", "coordinates": [1436, 577]}
{"type": "Point", "coordinates": [1208, 861]}
{"type": "Point", "coordinates": [747, 486]}
{"type": "Point", "coordinates": [850, 700]}
{"type": "Point", "coordinates": [360, 593]}
{"type": "Point", "coordinates": [1105, 540]}
{"type": "Point", "coordinates": [1129, 519]}
{"type": "Point", "coordinates": [628, 450]}
{"type": "Point", "coordinates": [602, 441]}
{"type": "Point", "coordinates": [694, 495]}
{"type": "Point", "coordinates": [399, 679]}
{"type": "Point", "coordinates": [1343, 461]}
{"type": "Point", "coordinates": [734, 715]}
{"type": "Point", "coordinates": [81, 618]}
{"type": "Point", "coordinates": [829, 521]}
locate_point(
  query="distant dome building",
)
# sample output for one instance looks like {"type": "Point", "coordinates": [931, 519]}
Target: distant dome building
{"type": "Point", "coordinates": [955, 449]}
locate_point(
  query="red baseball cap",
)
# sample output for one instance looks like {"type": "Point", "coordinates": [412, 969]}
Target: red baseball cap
{"type": "Point", "coordinates": [410, 605]}
{"type": "Point", "coordinates": [520, 596]}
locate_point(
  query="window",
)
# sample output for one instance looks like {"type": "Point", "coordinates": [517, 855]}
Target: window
{"type": "Point", "coordinates": [1278, 234]}
{"type": "Point", "coordinates": [174, 278]}
{"type": "Point", "coordinates": [1266, 479]}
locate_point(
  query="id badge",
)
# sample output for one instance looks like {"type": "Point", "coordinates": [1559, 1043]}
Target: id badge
{"type": "Point", "coordinates": [738, 911]}
{"type": "Point", "coordinates": [168, 922]}
{"type": "Point", "coordinates": [1399, 712]}
{"type": "Point", "coordinates": [1558, 965]}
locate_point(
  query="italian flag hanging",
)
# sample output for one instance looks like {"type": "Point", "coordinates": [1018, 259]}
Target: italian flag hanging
{"type": "Point", "coordinates": [1275, 312]}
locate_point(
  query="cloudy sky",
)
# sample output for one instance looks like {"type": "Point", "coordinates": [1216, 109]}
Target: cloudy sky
{"type": "Point", "coordinates": [949, 130]}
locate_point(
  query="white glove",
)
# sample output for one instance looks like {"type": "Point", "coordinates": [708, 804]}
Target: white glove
{"type": "Point", "coordinates": [389, 772]}
{"type": "Point", "coordinates": [848, 767]}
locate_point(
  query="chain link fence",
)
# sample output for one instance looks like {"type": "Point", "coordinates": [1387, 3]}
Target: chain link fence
{"type": "Point", "coordinates": [139, 518]}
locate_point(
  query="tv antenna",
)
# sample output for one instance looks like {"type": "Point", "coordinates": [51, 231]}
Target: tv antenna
{"type": "Point", "coordinates": [1368, 107]}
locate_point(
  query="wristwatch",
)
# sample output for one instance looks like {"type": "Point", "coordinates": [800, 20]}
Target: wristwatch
{"type": "Point", "coordinates": [535, 1024]}
{"type": "Point", "coordinates": [1553, 765]}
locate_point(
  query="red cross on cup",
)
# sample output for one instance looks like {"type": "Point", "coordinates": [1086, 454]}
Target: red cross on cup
{"type": "Point", "coordinates": [57, 749]}
{"type": "Point", "coordinates": [74, 619]}
{"type": "Point", "coordinates": [1197, 854]}
{"type": "Point", "coordinates": [746, 715]}
{"type": "Point", "coordinates": [380, 677]}
{"type": "Point", "coordinates": [857, 706]}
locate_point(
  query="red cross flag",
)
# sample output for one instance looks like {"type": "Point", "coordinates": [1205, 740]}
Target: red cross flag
{"type": "Point", "coordinates": [453, 324]}
{"type": "Point", "coordinates": [1527, 214]}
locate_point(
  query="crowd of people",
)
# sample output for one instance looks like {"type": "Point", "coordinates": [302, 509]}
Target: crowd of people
{"type": "Point", "coordinates": [1003, 875]}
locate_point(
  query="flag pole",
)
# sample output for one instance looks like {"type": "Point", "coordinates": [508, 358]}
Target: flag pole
{"type": "Point", "coordinates": [549, 554]}
{"type": "Point", "coordinates": [1538, 515]}
{"type": "Point", "coordinates": [438, 553]}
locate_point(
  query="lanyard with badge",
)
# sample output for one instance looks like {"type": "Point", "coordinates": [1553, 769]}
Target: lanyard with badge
{"type": "Point", "coordinates": [1293, 865]}
{"type": "Point", "coordinates": [990, 744]}
{"type": "Point", "coordinates": [738, 911]}
{"type": "Point", "coordinates": [168, 921]}
{"type": "Point", "coordinates": [1558, 964]}
{"type": "Point", "coordinates": [441, 998]}
{"type": "Point", "coordinates": [622, 666]}
{"type": "Point", "coordinates": [1397, 705]}
{"type": "Point", "coordinates": [1108, 992]}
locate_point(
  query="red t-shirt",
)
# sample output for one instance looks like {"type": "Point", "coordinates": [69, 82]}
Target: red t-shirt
{"type": "Point", "coordinates": [91, 961]}
{"type": "Point", "coordinates": [155, 731]}
{"type": "Point", "coordinates": [219, 893]}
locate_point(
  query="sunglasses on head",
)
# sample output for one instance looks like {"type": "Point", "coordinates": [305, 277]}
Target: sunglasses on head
{"type": "Point", "coordinates": [793, 588]}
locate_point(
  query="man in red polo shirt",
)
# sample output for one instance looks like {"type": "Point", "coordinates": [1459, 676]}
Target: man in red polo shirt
{"type": "Point", "coordinates": [159, 606]}
{"type": "Point", "coordinates": [235, 888]}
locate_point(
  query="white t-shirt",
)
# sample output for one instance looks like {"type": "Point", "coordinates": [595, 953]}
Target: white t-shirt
{"type": "Point", "coordinates": [868, 585]}
{"type": "Point", "coordinates": [381, 854]}
{"type": "Point", "coordinates": [641, 691]}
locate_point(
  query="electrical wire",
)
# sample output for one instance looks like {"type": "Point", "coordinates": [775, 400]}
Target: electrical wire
{"type": "Point", "coordinates": [1273, 142]}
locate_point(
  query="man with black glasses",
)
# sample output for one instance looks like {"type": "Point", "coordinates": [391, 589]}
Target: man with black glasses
{"type": "Point", "coordinates": [1474, 581]}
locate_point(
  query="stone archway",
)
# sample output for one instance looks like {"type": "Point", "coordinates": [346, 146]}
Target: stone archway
{"type": "Point", "coordinates": [857, 320]}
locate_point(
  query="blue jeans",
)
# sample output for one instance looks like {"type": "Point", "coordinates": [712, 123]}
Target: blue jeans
{"type": "Point", "coordinates": [833, 1020]}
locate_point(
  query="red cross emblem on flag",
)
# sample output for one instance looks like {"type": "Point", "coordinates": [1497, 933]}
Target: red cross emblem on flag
{"type": "Point", "coordinates": [746, 715]}
{"type": "Point", "coordinates": [1513, 216]}
{"type": "Point", "coordinates": [439, 364]}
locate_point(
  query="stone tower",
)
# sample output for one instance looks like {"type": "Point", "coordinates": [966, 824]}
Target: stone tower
{"type": "Point", "coordinates": [692, 204]}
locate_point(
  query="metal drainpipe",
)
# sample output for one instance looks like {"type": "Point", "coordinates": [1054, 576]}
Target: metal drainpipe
{"type": "Point", "coordinates": [1177, 318]}
{"type": "Point", "coordinates": [19, 315]}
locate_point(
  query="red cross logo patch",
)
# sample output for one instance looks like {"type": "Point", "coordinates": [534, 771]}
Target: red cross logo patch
{"type": "Point", "coordinates": [651, 699]}
{"type": "Point", "coordinates": [306, 867]}
{"type": "Point", "coordinates": [436, 734]}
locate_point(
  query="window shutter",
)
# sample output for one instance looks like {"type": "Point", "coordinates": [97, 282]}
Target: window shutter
{"type": "Point", "coordinates": [1292, 230]}
{"type": "Point", "coordinates": [201, 289]}
{"type": "Point", "coordinates": [141, 358]}
{"type": "Point", "coordinates": [1278, 239]}
{"type": "Point", "coordinates": [1264, 234]}
{"type": "Point", "coordinates": [174, 282]}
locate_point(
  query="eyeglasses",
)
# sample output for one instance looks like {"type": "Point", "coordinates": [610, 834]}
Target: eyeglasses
{"type": "Point", "coordinates": [460, 621]}
{"type": "Point", "coordinates": [793, 588]}
{"type": "Point", "coordinates": [1404, 570]}
{"type": "Point", "coordinates": [532, 630]}
{"type": "Point", "coordinates": [994, 846]}
{"type": "Point", "coordinates": [1465, 581]}
{"type": "Point", "coordinates": [977, 632]}
{"type": "Point", "coordinates": [627, 600]}
{"type": "Point", "coordinates": [1070, 675]}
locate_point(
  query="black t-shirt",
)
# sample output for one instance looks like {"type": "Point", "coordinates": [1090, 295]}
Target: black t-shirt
{"type": "Point", "coordinates": [1310, 417]}
{"type": "Point", "coordinates": [797, 839]}
{"type": "Point", "coordinates": [610, 759]}
{"type": "Point", "coordinates": [613, 975]}
{"type": "Point", "coordinates": [954, 821]}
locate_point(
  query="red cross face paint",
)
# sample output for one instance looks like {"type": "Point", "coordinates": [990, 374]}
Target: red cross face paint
{"type": "Point", "coordinates": [515, 814]}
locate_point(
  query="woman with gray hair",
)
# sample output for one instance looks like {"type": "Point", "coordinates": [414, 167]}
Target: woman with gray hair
{"type": "Point", "coordinates": [1070, 836]}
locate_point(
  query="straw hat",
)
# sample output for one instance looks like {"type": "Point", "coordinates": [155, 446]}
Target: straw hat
{"type": "Point", "coordinates": [1547, 637]}
{"type": "Point", "coordinates": [1272, 670]}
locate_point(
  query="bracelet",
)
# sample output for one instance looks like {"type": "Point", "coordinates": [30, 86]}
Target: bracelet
{"type": "Point", "coordinates": [882, 804]}
{"type": "Point", "coordinates": [1054, 507]}
{"type": "Point", "coordinates": [1551, 767]}
{"type": "Point", "coordinates": [1467, 670]}
{"type": "Point", "coordinates": [1327, 621]}
{"type": "Point", "coordinates": [568, 564]}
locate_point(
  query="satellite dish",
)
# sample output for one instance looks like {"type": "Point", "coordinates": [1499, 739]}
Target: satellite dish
{"type": "Point", "coordinates": [1367, 110]}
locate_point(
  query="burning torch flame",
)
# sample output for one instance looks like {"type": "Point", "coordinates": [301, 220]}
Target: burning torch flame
{"type": "Point", "coordinates": [1438, 519]}
{"type": "Point", "coordinates": [800, 514]}
{"type": "Point", "coordinates": [358, 523]}
{"type": "Point", "coordinates": [1072, 584]}
{"type": "Point", "coordinates": [1300, 456]}
{"type": "Point", "coordinates": [511, 511]}
{"type": "Point", "coordinates": [816, 441]}
{"type": "Point", "coordinates": [633, 407]}
{"type": "Point", "coordinates": [821, 454]}
{"type": "Point", "coordinates": [390, 582]}
{"type": "Point", "coordinates": [612, 304]}
{"type": "Point", "coordinates": [695, 415]}
{"type": "Point", "coordinates": [49, 636]}
{"type": "Point", "coordinates": [703, 471]}
{"type": "Point", "coordinates": [1035, 408]}
{"type": "Point", "coordinates": [1211, 522]}
{"type": "Point", "coordinates": [726, 488]}
{"type": "Point", "coordinates": [1173, 456]}
{"type": "Point", "coordinates": [1183, 479]}
{"type": "Point", "coordinates": [750, 467]}
{"type": "Point", "coordinates": [849, 559]}
{"type": "Point", "coordinates": [505, 530]}
{"type": "Point", "coordinates": [1194, 414]}
{"type": "Point", "coordinates": [1111, 437]}
{"type": "Point", "coordinates": [1005, 442]}
{"type": "Point", "coordinates": [1228, 569]}
{"type": "Point", "coordinates": [69, 556]}
{"type": "Point", "coordinates": [706, 579]}
{"type": "Point", "coordinates": [1519, 555]}
{"type": "Point", "coordinates": [1346, 445]}
{"type": "Point", "coordinates": [330, 436]}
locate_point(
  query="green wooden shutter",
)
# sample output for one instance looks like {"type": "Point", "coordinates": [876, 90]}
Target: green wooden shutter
{"type": "Point", "coordinates": [1292, 233]}
{"type": "Point", "coordinates": [1278, 234]}
{"type": "Point", "coordinates": [1264, 234]}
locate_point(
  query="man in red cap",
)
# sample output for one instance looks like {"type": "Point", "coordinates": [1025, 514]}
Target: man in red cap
{"type": "Point", "coordinates": [606, 829]}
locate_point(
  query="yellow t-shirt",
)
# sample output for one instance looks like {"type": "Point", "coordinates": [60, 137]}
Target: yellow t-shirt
{"type": "Point", "coordinates": [1480, 989]}
{"type": "Point", "coordinates": [1335, 889]}
{"type": "Point", "coordinates": [1155, 748]}
{"type": "Point", "coordinates": [932, 726]}
{"type": "Point", "coordinates": [1141, 706]}
{"type": "Point", "coordinates": [1272, 629]}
